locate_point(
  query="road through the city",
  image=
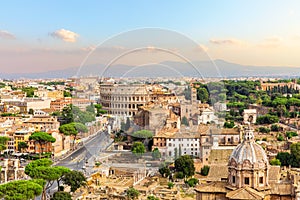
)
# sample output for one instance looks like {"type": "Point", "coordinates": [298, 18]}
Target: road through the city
{"type": "Point", "coordinates": [77, 159]}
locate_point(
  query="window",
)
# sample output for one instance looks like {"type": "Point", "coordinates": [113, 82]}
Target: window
{"type": "Point", "coordinates": [261, 180]}
{"type": "Point", "coordinates": [170, 144]}
{"type": "Point", "coordinates": [170, 153]}
{"type": "Point", "coordinates": [233, 179]}
{"type": "Point", "coordinates": [247, 181]}
{"type": "Point", "coordinates": [206, 139]}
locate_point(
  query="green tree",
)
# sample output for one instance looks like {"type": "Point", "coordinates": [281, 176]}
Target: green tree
{"type": "Point", "coordinates": [42, 169]}
{"type": "Point", "coordinates": [280, 137]}
{"type": "Point", "coordinates": [21, 189]}
{"type": "Point", "coordinates": [42, 138]}
{"type": "Point", "coordinates": [67, 94]}
{"type": "Point", "coordinates": [138, 148]}
{"type": "Point", "coordinates": [99, 109]}
{"type": "Point", "coordinates": [152, 197]}
{"type": "Point", "coordinates": [22, 145]}
{"type": "Point", "coordinates": [82, 117]}
{"type": "Point", "coordinates": [74, 179]}
{"type": "Point", "coordinates": [267, 119]}
{"type": "Point", "coordinates": [144, 134]}
{"type": "Point", "coordinates": [3, 142]}
{"type": "Point", "coordinates": [67, 116]}
{"type": "Point", "coordinates": [170, 185]}
{"type": "Point", "coordinates": [164, 171]}
{"type": "Point", "coordinates": [90, 108]}
{"type": "Point", "coordinates": [81, 128]}
{"type": "Point", "coordinates": [31, 111]}
{"type": "Point", "coordinates": [61, 196]}
{"type": "Point", "coordinates": [72, 129]}
{"type": "Point", "coordinates": [275, 161]}
{"type": "Point", "coordinates": [132, 193]}
{"type": "Point", "coordinates": [229, 124]}
{"type": "Point", "coordinates": [156, 154]}
{"type": "Point", "coordinates": [205, 170]}
{"type": "Point", "coordinates": [29, 91]}
{"type": "Point", "coordinates": [263, 129]}
{"type": "Point", "coordinates": [295, 153]}
{"type": "Point", "coordinates": [185, 164]}
{"type": "Point", "coordinates": [185, 121]}
{"type": "Point", "coordinates": [290, 134]}
{"type": "Point", "coordinates": [179, 175]}
{"type": "Point", "coordinates": [192, 182]}
{"type": "Point", "coordinates": [284, 158]}
{"type": "Point", "coordinates": [274, 127]}
{"type": "Point", "coordinates": [203, 95]}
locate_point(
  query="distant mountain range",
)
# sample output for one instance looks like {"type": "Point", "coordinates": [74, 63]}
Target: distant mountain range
{"type": "Point", "coordinates": [217, 68]}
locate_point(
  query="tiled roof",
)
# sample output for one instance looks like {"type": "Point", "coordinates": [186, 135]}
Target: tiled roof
{"type": "Point", "coordinates": [217, 172]}
{"type": "Point", "coordinates": [245, 193]}
{"type": "Point", "coordinates": [213, 187]}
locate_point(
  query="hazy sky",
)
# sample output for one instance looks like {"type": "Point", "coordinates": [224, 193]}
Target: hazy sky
{"type": "Point", "coordinates": [46, 35]}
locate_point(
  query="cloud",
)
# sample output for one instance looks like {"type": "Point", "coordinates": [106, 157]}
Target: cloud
{"type": "Point", "coordinates": [231, 41]}
{"type": "Point", "coordinates": [6, 35]}
{"type": "Point", "coordinates": [65, 35]}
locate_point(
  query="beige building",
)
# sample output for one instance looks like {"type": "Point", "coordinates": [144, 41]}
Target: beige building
{"type": "Point", "coordinates": [62, 144]}
{"type": "Point", "coordinates": [42, 123]}
{"type": "Point", "coordinates": [81, 103]}
{"type": "Point", "coordinates": [44, 93]}
{"type": "Point", "coordinates": [28, 103]}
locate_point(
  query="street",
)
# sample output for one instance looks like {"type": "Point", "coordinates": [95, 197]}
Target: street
{"type": "Point", "coordinates": [77, 160]}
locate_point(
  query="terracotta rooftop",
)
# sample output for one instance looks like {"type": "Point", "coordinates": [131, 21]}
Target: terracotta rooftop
{"type": "Point", "coordinates": [245, 193]}
{"type": "Point", "coordinates": [217, 172]}
{"type": "Point", "coordinates": [213, 187]}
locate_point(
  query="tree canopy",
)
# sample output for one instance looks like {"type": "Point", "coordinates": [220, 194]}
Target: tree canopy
{"type": "Point", "coordinates": [144, 134]}
{"type": "Point", "coordinates": [72, 129]}
{"type": "Point", "coordinates": [132, 193]}
{"type": "Point", "coordinates": [42, 138]}
{"type": "Point", "coordinates": [138, 148]}
{"type": "Point", "coordinates": [22, 189]}
{"type": "Point", "coordinates": [42, 169]}
{"type": "Point", "coordinates": [22, 145]}
{"type": "Point", "coordinates": [3, 142]}
{"type": "Point", "coordinates": [185, 164]}
{"type": "Point", "coordinates": [74, 179]}
{"type": "Point", "coordinates": [61, 196]}
{"type": "Point", "coordinates": [156, 154]}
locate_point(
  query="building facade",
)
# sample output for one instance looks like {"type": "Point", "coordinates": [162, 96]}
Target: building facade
{"type": "Point", "coordinates": [123, 99]}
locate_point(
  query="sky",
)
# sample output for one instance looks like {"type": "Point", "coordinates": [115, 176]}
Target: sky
{"type": "Point", "coordinates": [37, 36]}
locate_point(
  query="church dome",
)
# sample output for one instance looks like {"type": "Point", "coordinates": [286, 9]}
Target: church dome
{"type": "Point", "coordinates": [249, 151]}
{"type": "Point", "coordinates": [248, 164]}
